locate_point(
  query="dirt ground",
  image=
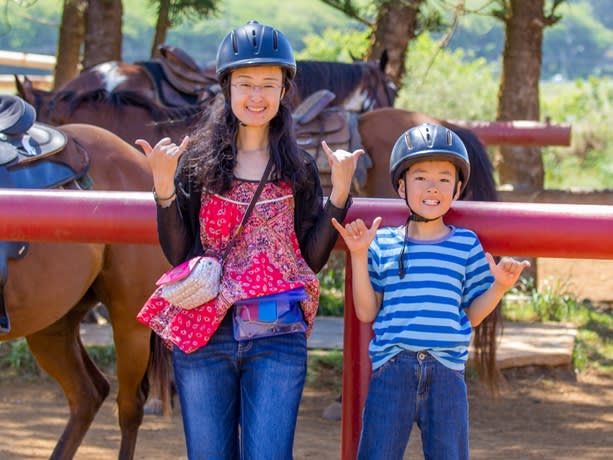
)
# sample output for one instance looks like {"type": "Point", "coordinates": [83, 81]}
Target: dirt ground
{"type": "Point", "coordinates": [541, 413]}
{"type": "Point", "coordinates": [584, 278]}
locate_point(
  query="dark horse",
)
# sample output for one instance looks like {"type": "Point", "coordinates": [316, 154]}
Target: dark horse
{"type": "Point", "coordinates": [51, 288]}
{"type": "Point", "coordinates": [379, 129]}
{"type": "Point", "coordinates": [358, 86]}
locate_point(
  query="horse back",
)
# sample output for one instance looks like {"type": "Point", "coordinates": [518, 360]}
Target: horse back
{"type": "Point", "coordinates": [115, 164]}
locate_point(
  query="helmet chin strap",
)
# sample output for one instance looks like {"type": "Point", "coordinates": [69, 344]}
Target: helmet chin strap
{"type": "Point", "coordinates": [415, 218]}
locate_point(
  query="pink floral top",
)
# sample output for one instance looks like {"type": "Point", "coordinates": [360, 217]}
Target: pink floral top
{"type": "Point", "coordinates": [264, 260]}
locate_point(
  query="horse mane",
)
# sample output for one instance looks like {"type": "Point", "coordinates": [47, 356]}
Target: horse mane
{"type": "Point", "coordinates": [339, 77]}
{"type": "Point", "coordinates": [128, 98]}
{"type": "Point", "coordinates": [482, 186]}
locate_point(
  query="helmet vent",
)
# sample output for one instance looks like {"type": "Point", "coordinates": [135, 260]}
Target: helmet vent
{"type": "Point", "coordinates": [275, 40]}
{"type": "Point", "coordinates": [254, 39]}
{"type": "Point", "coordinates": [234, 43]}
{"type": "Point", "coordinates": [449, 138]}
{"type": "Point", "coordinates": [407, 140]}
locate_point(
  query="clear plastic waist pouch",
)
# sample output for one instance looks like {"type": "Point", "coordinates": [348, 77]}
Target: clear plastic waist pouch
{"type": "Point", "coordinates": [271, 315]}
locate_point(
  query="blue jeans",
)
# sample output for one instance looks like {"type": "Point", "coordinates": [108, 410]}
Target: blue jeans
{"type": "Point", "coordinates": [415, 387]}
{"type": "Point", "coordinates": [255, 385]}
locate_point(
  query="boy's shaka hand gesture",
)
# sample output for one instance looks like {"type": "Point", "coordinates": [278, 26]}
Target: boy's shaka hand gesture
{"type": "Point", "coordinates": [356, 234]}
{"type": "Point", "coordinates": [507, 271]}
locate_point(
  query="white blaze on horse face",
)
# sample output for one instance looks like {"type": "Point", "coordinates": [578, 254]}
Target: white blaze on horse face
{"type": "Point", "coordinates": [359, 101]}
{"type": "Point", "coordinates": [111, 77]}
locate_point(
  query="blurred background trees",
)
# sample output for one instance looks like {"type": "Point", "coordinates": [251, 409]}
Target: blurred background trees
{"type": "Point", "coordinates": [447, 55]}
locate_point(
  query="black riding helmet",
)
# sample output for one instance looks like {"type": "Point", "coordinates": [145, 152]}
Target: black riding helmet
{"type": "Point", "coordinates": [428, 142]}
{"type": "Point", "coordinates": [254, 44]}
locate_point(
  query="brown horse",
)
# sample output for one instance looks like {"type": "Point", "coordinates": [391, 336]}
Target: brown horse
{"type": "Point", "coordinates": [358, 86]}
{"type": "Point", "coordinates": [128, 114]}
{"type": "Point", "coordinates": [52, 287]}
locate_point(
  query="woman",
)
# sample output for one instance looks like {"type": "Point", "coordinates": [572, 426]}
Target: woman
{"type": "Point", "coordinates": [201, 196]}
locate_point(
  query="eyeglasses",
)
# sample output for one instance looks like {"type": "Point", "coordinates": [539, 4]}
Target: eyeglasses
{"type": "Point", "coordinates": [267, 89]}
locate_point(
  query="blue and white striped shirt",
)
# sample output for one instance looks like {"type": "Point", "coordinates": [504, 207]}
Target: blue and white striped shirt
{"type": "Point", "coordinates": [426, 309]}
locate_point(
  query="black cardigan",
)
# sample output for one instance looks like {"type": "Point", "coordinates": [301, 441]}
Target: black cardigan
{"type": "Point", "coordinates": [179, 225]}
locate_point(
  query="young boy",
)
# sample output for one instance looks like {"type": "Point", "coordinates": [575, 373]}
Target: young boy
{"type": "Point", "coordinates": [424, 285]}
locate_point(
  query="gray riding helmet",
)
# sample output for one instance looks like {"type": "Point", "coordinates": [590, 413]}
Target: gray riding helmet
{"type": "Point", "coordinates": [428, 142]}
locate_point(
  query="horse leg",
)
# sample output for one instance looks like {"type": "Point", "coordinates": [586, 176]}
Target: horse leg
{"type": "Point", "coordinates": [124, 285]}
{"type": "Point", "coordinates": [60, 352]}
{"type": "Point", "coordinates": [132, 342]}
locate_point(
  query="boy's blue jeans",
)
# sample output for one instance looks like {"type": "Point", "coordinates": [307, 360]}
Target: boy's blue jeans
{"type": "Point", "coordinates": [256, 384]}
{"type": "Point", "coordinates": [415, 387]}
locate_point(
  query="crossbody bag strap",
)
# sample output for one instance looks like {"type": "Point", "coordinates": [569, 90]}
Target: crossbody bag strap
{"type": "Point", "coordinates": [252, 204]}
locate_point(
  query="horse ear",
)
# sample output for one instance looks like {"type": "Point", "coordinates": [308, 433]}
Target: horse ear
{"type": "Point", "coordinates": [383, 60]}
{"type": "Point", "coordinates": [19, 86]}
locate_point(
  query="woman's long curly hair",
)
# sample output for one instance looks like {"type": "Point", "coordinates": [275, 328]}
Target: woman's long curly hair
{"type": "Point", "coordinates": [211, 155]}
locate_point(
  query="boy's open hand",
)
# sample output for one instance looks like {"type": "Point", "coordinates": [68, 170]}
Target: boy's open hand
{"type": "Point", "coordinates": [507, 271]}
{"type": "Point", "coordinates": [356, 234]}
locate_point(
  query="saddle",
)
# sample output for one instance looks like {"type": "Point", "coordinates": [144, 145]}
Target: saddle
{"type": "Point", "coordinates": [177, 78]}
{"type": "Point", "coordinates": [315, 121]}
{"type": "Point", "coordinates": [32, 156]}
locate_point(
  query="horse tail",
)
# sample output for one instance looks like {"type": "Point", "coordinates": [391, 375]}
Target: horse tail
{"type": "Point", "coordinates": [484, 348]}
{"type": "Point", "coordinates": [158, 382]}
{"type": "Point", "coordinates": [482, 187]}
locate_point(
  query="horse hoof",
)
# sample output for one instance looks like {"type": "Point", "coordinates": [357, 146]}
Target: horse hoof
{"type": "Point", "coordinates": [154, 407]}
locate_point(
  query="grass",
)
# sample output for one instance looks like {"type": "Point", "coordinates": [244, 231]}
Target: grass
{"type": "Point", "coordinates": [554, 302]}
{"type": "Point", "coordinates": [17, 360]}
{"type": "Point", "coordinates": [325, 369]}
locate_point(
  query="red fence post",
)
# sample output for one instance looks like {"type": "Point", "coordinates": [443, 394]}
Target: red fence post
{"type": "Point", "coordinates": [356, 371]}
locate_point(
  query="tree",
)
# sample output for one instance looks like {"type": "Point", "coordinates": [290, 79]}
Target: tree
{"type": "Point", "coordinates": [518, 95]}
{"type": "Point", "coordinates": [173, 12]}
{"type": "Point", "coordinates": [71, 36]}
{"type": "Point", "coordinates": [102, 43]}
{"type": "Point", "coordinates": [396, 25]}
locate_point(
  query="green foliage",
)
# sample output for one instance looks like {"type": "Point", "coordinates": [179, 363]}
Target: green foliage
{"type": "Point", "coordinates": [335, 45]}
{"type": "Point", "coordinates": [332, 286]}
{"type": "Point", "coordinates": [15, 356]}
{"type": "Point", "coordinates": [297, 20]}
{"type": "Point", "coordinates": [587, 106]}
{"type": "Point", "coordinates": [447, 84]}
{"type": "Point", "coordinates": [574, 47]}
{"type": "Point", "coordinates": [578, 42]}
{"type": "Point", "coordinates": [30, 26]}
{"type": "Point", "coordinates": [554, 302]}
{"type": "Point", "coordinates": [186, 10]}
{"type": "Point", "coordinates": [325, 369]}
